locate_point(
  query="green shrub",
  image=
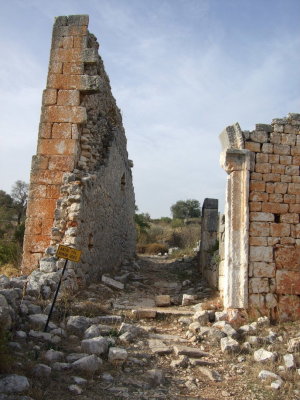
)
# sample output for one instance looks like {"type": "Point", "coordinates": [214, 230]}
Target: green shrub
{"type": "Point", "coordinates": [10, 252]}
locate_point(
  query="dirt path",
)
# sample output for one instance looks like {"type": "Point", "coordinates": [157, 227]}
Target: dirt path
{"type": "Point", "coordinates": [162, 361]}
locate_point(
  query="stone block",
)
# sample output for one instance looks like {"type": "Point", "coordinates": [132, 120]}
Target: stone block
{"type": "Point", "coordinates": [259, 285]}
{"type": "Point", "coordinates": [267, 148]}
{"type": "Point", "coordinates": [67, 42]}
{"type": "Point", "coordinates": [49, 96]}
{"type": "Point", "coordinates": [276, 198]}
{"type": "Point", "coordinates": [261, 253]}
{"type": "Point", "coordinates": [73, 114]}
{"type": "Point", "coordinates": [258, 196]}
{"type": "Point", "coordinates": [262, 269]}
{"type": "Point", "coordinates": [68, 98]}
{"type": "Point", "coordinates": [261, 217]}
{"type": "Point", "coordinates": [295, 151]}
{"type": "Point", "coordinates": [62, 130]}
{"type": "Point", "coordinates": [275, 208]}
{"type": "Point", "coordinates": [61, 163]}
{"type": "Point", "coordinates": [286, 178]}
{"type": "Point", "coordinates": [271, 177]}
{"type": "Point", "coordinates": [280, 187]}
{"type": "Point", "coordinates": [52, 191]}
{"type": "Point", "coordinates": [73, 68]}
{"type": "Point", "coordinates": [263, 167]}
{"type": "Point", "coordinates": [285, 160]}
{"type": "Point", "coordinates": [288, 282]}
{"type": "Point", "coordinates": [84, 83]}
{"type": "Point", "coordinates": [273, 158]}
{"type": "Point", "coordinates": [289, 310]}
{"type": "Point", "coordinates": [112, 283]}
{"type": "Point", "coordinates": [117, 354]}
{"type": "Point", "coordinates": [144, 313]}
{"type": "Point", "coordinates": [58, 146]}
{"type": "Point", "coordinates": [280, 229]}
{"type": "Point", "coordinates": [252, 146]}
{"type": "Point", "coordinates": [292, 170]}
{"type": "Point", "coordinates": [294, 188]}
{"type": "Point", "coordinates": [287, 258]}
{"type": "Point", "coordinates": [75, 55]}
{"type": "Point", "coordinates": [277, 168]}
{"type": "Point", "coordinates": [259, 229]}
{"type": "Point", "coordinates": [41, 208]}
{"type": "Point", "coordinates": [282, 149]}
{"type": "Point", "coordinates": [258, 241]}
{"type": "Point", "coordinates": [34, 225]}
{"type": "Point", "coordinates": [262, 158]}
{"type": "Point", "coordinates": [258, 186]}
{"type": "Point", "coordinates": [255, 206]}
{"type": "Point", "coordinates": [163, 300]}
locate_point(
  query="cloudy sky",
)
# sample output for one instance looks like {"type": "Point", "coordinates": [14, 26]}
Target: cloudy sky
{"type": "Point", "coordinates": [180, 70]}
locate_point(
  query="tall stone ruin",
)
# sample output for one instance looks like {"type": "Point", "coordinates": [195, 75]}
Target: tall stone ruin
{"type": "Point", "coordinates": [261, 264]}
{"type": "Point", "coordinates": [81, 191]}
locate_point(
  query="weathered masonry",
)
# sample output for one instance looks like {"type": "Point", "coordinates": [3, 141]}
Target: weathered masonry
{"type": "Point", "coordinates": [81, 191]}
{"type": "Point", "coordinates": [262, 232]}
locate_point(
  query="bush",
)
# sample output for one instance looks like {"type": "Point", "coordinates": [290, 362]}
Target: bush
{"type": "Point", "coordinates": [156, 248]}
{"type": "Point", "coordinates": [10, 252]}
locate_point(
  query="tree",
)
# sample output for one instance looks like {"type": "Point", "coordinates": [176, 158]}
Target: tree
{"type": "Point", "coordinates": [186, 209]}
{"type": "Point", "coordinates": [19, 195]}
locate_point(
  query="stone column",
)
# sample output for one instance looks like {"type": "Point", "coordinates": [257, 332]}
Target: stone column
{"type": "Point", "coordinates": [209, 238]}
{"type": "Point", "coordinates": [237, 165]}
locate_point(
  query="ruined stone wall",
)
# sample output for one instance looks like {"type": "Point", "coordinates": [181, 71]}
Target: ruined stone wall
{"type": "Point", "coordinates": [81, 191]}
{"type": "Point", "coordinates": [265, 230]}
{"type": "Point", "coordinates": [208, 261]}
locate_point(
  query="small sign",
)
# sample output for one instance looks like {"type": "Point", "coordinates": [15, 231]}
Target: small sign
{"type": "Point", "coordinates": [68, 253]}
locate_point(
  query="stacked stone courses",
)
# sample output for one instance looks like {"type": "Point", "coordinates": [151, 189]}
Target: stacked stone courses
{"type": "Point", "coordinates": [274, 207]}
{"type": "Point", "coordinates": [81, 191]}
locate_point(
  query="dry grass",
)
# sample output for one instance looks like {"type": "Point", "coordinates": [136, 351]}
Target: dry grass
{"type": "Point", "coordinates": [9, 270]}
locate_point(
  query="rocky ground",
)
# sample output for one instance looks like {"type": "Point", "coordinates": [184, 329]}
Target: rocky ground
{"type": "Point", "coordinates": [139, 342]}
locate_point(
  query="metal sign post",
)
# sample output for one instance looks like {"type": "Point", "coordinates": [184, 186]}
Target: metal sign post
{"type": "Point", "coordinates": [68, 253]}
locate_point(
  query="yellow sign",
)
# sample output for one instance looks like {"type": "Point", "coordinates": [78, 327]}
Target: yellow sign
{"type": "Point", "coordinates": [68, 253]}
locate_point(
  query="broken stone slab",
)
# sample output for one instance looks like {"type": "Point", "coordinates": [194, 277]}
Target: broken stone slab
{"type": "Point", "coordinates": [40, 335]}
{"type": "Point", "coordinates": [163, 300]}
{"type": "Point", "coordinates": [265, 374]}
{"type": "Point", "coordinates": [189, 352]}
{"type": "Point", "coordinates": [127, 337]}
{"type": "Point", "coordinates": [289, 361]}
{"type": "Point", "coordinates": [78, 380]}
{"type": "Point", "coordinates": [133, 329]}
{"type": "Point", "coordinates": [229, 345]}
{"type": "Point", "coordinates": [294, 345]}
{"type": "Point", "coordinates": [90, 363]}
{"type": "Point", "coordinates": [96, 345]}
{"type": "Point", "coordinates": [13, 384]}
{"type": "Point", "coordinates": [61, 366]}
{"type": "Point", "coordinates": [158, 347]}
{"type": "Point", "coordinates": [112, 283]}
{"type": "Point", "coordinates": [202, 317]}
{"type": "Point", "coordinates": [181, 362]}
{"type": "Point", "coordinates": [213, 375]}
{"type": "Point", "coordinates": [188, 299]}
{"type": "Point", "coordinates": [75, 389]}
{"type": "Point", "coordinates": [166, 337]}
{"type": "Point", "coordinates": [42, 371]}
{"type": "Point", "coordinates": [276, 384]}
{"type": "Point", "coordinates": [117, 354]}
{"type": "Point", "coordinates": [107, 319]}
{"type": "Point", "coordinates": [262, 355]}
{"type": "Point", "coordinates": [38, 321]}
{"type": "Point", "coordinates": [197, 361]}
{"type": "Point", "coordinates": [144, 313]}
{"type": "Point", "coordinates": [77, 324]}
{"type": "Point", "coordinates": [53, 355]}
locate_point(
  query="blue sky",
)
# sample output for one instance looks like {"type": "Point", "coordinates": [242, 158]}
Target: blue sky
{"type": "Point", "coordinates": [180, 70]}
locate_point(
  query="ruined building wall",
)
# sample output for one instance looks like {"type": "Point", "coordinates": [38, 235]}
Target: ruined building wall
{"type": "Point", "coordinates": [262, 230]}
{"type": "Point", "coordinates": [81, 191]}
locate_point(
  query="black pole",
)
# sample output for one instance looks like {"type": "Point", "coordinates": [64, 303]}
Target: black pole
{"type": "Point", "coordinates": [55, 296]}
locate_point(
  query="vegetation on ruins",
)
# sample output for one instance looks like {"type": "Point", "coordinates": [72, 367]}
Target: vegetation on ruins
{"type": "Point", "coordinates": [158, 236]}
{"type": "Point", "coordinates": [12, 224]}
{"type": "Point", "coordinates": [186, 209]}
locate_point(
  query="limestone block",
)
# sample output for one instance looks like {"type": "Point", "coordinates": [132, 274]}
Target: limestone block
{"type": "Point", "coordinates": [13, 384]}
{"type": "Point", "coordinates": [294, 188]}
{"type": "Point", "coordinates": [260, 253]}
{"type": "Point", "coordinates": [112, 283]}
{"type": "Point", "coordinates": [263, 355]}
{"type": "Point", "coordinates": [61, 163]}
{"type": "Point", "coordinates": [68, 98]}
{"type": "Point", "coordinates": [90, 363]}
{"type": "Point", "coordinates": [62, 130]}
{"type": "Point", "coordinates": [117, 354]}
{"type": "Point", "coordinates": [83, 83]}
{"type": "Point", "coordinates": [73, 114]}
{"type": "Point", "coordinates": [261, 217]}
{"type": "Point", "coordinates": [267, 148]}
{"type": "Point", "coordinates": [189, 352]}
{"type": "Point", "coordinates": [252, 146]}
{"type": "Point", "coordinates": [275, 208]}
{"type": "Point", "coordinates": [289, 361]}
{"type": "Point", "coordinates": [285, 160]}
{"type": "Point", "coordinates": [163, 300]}
{"type": "Point", "coordinates": [144, 313]}
{"type": "Point", "coordinates": [287, 258]}
{"type": "Point", "coordinates": [282, 149]}
{"type": "Point", "coordinates": [229, 345]}
{"type": "Point", "coordinates": [96, 345]}
{"type": "Point", "coordinates": [49, 97]}
{"type": "Point", "coordinates": [188, 299]}
{"type": "Point", "coordinates": [259, 285]}
{"type": "Point", "coordinates": [288, 282]}
{"type": "Point", "coordinates": [271, 177]}
{"type": "Point", "coordinates": [259, 229]}
{"type": "Point", "coordinates": [258, 196]}
{"type": "Point", "coordinates": [294, 345]}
